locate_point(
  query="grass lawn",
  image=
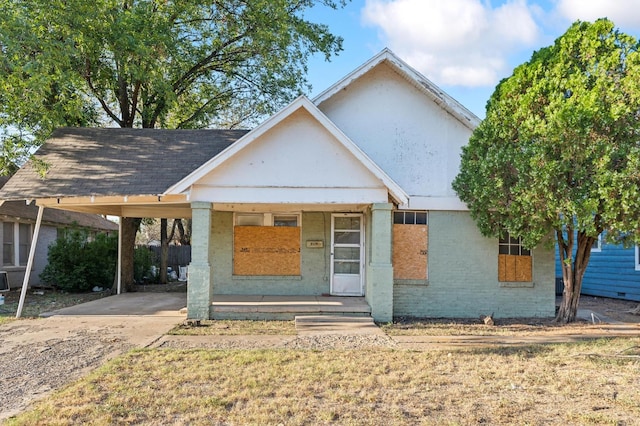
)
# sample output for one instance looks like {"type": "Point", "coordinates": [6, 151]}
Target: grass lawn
{"type": "Point", "coordinates": [585, 383]}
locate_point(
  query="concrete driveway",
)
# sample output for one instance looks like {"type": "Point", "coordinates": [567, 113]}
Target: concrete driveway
{"type": "Point", "coordinates": [130, 304]}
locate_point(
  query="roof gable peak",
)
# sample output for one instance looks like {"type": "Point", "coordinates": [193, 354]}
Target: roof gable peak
{"type": "Point", "coordinates": [302, 102]}
{"type": "Point", "coordinates": [415, 78]}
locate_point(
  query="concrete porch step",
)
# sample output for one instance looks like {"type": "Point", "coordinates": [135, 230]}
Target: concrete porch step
{"type": "Point", "coordinates": [335, 324]}
{"type": "Point", "coordinates": [257, 307]}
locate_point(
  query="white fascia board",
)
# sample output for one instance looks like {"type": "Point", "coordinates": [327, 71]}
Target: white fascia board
{"type": "Point", "coordinates": [441, 98]}
{"type": "Point", "coordinates": [302, 102]}
{"type": "Point", "coordinates": [285, 196]}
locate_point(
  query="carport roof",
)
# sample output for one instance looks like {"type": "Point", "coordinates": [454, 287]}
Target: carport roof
{"type": "Point", "coordinates": [113, 161]}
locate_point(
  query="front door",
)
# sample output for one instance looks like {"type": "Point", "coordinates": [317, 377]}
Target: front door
{"type": "Point", "coordinates": [347, 254]}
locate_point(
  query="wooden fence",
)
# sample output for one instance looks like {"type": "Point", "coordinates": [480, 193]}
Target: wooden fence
{"type": "Point", "coordinates": [178, 255]}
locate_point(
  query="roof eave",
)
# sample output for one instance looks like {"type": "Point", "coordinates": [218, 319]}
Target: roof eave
{"type": "Point", "coordinates": [426, 86]}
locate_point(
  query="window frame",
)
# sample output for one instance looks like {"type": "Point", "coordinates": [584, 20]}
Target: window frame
{"type": "Point", "coordinates": [597, 247]}
{"type": "Point", "coordinates": [513, 244]}
{"type": "Point", "coordinates": [268, 219]}
{"type": "Point", "coordinates": [637, 250]}
{"type": "Point", "coordinates": [16, 244]}
{"type": "Point", "coordinates": [410, 217]}
{"type": "Point", "coordinates": [8, 247]}
{"type": "Point", "coordinates": [514, 247]}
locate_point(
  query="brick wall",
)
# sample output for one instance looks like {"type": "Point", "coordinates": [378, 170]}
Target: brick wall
{"type": "Point", "coordinates": [463, 277]}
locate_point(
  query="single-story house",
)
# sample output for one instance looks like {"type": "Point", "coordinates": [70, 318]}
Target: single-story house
{"type": "Point", "coordinates": [613, 271]}
{"type": "Point", "coordinates": [18, 219]}
{"type": "Point", "coordinates": [348, 194]}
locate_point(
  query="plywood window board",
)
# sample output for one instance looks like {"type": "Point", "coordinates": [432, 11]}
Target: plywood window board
{"type": "Point", "coordinates": [410, 244]}
{"type": "Point", "coordinates": [514, 268]}
{"type": "Point", "coordinates": [266, 250]}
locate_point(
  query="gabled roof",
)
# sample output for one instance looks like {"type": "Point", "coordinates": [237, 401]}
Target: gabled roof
{"type": "Point", "coordinates": [105, 162]}
{"type": "Point", "coordinates": [426, 86]}
{"type": "Point", "coordinates": [300, 103]}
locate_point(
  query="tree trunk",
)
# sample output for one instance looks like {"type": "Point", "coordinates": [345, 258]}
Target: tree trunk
{"type": "Point", "coordinates": [129, 229]}
{"type": "Point", "coordinates": [182, 236]}
{"type": "Point", "coordinates": [572, 272]}
{"type": "Point", "coordinates": [164, 251]}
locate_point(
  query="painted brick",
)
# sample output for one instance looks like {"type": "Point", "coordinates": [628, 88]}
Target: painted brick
{"type": "Point", "coordinates": [314, 277]}
{"type": "Point", "coordinates": [199, 290]}
{"type": "Point", "coordinates": [463, 277]}
{"type": "Point", "coordinates": [379, 272]}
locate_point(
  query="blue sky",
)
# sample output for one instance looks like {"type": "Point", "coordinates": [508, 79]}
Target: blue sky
{"type": "Point", "coordinates": [464, 46]}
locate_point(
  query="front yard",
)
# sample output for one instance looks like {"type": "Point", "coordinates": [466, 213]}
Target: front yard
{"type": "Point", "coordinates": [585, 383]}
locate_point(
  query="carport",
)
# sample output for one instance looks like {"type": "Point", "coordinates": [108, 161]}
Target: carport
{"type": "Point", "coordinates": [118, 172]}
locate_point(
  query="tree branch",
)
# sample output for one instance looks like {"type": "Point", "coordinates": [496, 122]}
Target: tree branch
{"type": "Point", "coordinates": [105, 107]}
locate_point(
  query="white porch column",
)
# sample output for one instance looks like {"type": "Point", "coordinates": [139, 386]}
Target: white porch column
{"type": "Point", "coordinates": [379, 278]}
{"type": "Point", "coordinates": [200, 287]}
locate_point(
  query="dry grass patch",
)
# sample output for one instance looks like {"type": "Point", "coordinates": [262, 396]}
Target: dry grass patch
{"type": "Point", "coordinates": [470, 327]}
{"type": "Point", "coordinates": [574, 384]}
{"type": "Point", "coordinates": [235, 328]}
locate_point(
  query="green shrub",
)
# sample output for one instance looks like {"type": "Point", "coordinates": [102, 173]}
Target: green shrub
{"type": "Point", "coordinates": [75, 264]}
{"type": "Point", "coordinates": [143, 259]}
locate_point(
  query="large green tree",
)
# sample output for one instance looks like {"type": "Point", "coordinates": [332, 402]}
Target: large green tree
{"type": "Point", "coordinates": [149, 63]}
{"type": "Point", "coordinates": [558, 154]}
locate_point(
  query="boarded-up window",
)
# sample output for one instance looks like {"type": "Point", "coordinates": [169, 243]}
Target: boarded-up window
{"type": "Point", "coordinates": [410, 242]}
{"type": "Point", "coordinates": [266, 250]}
{"type": "Point", "coordinates": [514, 261]}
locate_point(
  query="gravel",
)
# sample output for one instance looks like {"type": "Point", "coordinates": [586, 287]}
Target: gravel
{"type": "Point", "coordinates": [313, 342]}
{"type": "Point", "coordinates": [29, 371]}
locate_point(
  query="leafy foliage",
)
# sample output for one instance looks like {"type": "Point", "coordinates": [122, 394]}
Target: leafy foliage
{"type": "Point", "coordinates": [77, 264]}
{"type": "Point", "coordinates": [559, 150]}
{"type": "Point", "coordinates": [149, 63]}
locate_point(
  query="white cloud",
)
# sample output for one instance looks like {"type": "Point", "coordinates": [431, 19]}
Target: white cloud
{"type": "Point", "coordinates": [454, 42]}
{"type": "Point", "coordinates": [623, 13]}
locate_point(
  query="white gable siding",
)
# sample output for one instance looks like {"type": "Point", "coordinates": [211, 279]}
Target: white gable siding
{"type": "Point", "coordinates": [414, 140]}
{"type": "Point", "coordinates": [297, 161]}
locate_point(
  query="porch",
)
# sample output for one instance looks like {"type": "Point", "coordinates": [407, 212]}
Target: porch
{"type": "Point", "coordinates": [258, 307]}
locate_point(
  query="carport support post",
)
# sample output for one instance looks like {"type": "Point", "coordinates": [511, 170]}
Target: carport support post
{"type": "Point", "coordinates": [379, 276]}
{"type": "Point", "coordinates": [32, 253]}
{"type": "Point", "coordinates": [119, 264]}
{"type": "Point", "coordinates": [200, 288]}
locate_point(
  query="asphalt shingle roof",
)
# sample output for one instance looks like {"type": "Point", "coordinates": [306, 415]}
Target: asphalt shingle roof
{"type": "Point", "coordinates": [19, 210]}
{"type": "Point", "coordinates": [104, 162]}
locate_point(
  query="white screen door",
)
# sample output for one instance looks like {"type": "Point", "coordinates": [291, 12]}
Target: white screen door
{"type": "Point", "coordinates": [347, 254]}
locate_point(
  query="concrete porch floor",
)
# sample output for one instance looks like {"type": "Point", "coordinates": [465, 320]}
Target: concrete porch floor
{"type": "Point", "coordinates": [285, 307]}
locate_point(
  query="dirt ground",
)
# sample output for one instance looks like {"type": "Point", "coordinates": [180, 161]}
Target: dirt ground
{"type": "Point", "coordinates": [53, 352]}
{"type": "Point", "coordinates": [613, 308]}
